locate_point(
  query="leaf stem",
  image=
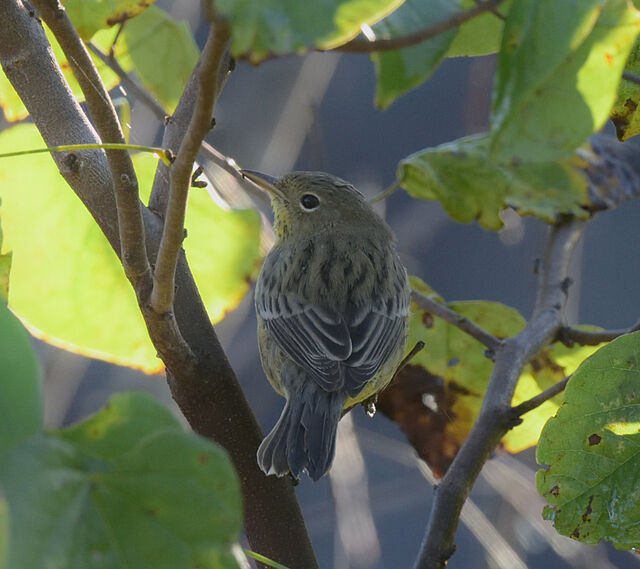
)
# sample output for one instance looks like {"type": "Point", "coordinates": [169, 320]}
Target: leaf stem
{"type": "Point", "coordinates": [362, 45]}
{"type": "Point", "coordinates": [385, 193]}
{"type": "Point", "coordinates": [161, 153]}
{"type": "Point", "coordinates": [264, 560]}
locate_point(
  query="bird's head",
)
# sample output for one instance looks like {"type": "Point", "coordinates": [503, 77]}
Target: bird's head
{"type": "Point", "coordinates": [307, 203]}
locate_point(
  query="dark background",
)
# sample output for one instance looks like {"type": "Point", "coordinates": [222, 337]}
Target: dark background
{"type": "Point", "coordinates": [316, 112]}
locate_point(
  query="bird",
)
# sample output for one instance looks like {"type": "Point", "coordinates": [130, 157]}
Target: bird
{"type": "Point", "coordinates": [332, 302]}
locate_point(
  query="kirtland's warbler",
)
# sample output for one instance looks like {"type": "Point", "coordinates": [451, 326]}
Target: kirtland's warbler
{"type": "Point", "coordinates": [332, 301]}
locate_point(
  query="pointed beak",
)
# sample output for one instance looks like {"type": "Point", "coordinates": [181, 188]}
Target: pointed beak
{"type": "Point", "coordinates": [264, 182]}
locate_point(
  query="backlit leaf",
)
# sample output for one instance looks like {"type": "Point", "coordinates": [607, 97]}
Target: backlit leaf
{"type": "Point", "coordinates": [558, 71]}
{"type": "Point", "coordinates": [260, 29]}
{"type": "Point", "coordinates": [89, 16]}
{"type": "Point", "coordinates": [67, 282]}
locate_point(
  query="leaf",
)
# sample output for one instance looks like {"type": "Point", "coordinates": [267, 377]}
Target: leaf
{"type": "Point", "coordinates": [401, 70]}
{"type": "Point", "coordinates": [558, 71]}
{"type": "Point", "coordinates": [21, 400]}
{"type": "Point", "coordinates": [5, 267]}
{"type": "Point", "coordinates": [10, 102]}
{"type": "Point", "coordinates": [550, 366]}
{"type": "Point", "coordinates": [109, 432]}
{"type": "Point", "coordinates": [89, 16]}
{"type": "Point", "coordinates": [159, 498]}
{"type": "Point", "coordinates": [261, 29]}
{"type": "Point", "coordinates": [480, 35]}
{"type": "Point", "coordinates": [624, 112]}
{"type": "Point", "coordinates": [592, 449]}
{"type": "Point", "coordinates": [437, 397]}
{"type": "Point", "coordinates": [155, 36]}
{"type": "Point", "coordinates": [469, 185]}
{"type": "Point", "coordinates": [67, 282]}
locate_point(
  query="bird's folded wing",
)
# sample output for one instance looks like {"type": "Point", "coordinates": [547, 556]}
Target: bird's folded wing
{"type": "Point", "coordinates": [339, 351]}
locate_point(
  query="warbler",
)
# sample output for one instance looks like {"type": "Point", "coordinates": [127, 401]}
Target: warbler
{"type": "Point", "coordinates": [332, 303]}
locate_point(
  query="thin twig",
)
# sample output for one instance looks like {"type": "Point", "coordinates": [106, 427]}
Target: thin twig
{"type": "Point", "coordinates": [360, 45]}
{"type": "Point", "coordinates": [534, 402]}
{"type": "Point", "coordinates": [132, 86]}
{"type": "Point", "coordinates": [459, 321]}
{"type": "Point", "coordinates": [180, 172]}
{"type": "Point", "coordinates": [570, 336]}
{"type": "Point", "coordinates": [495, 417]}
{"type": "Point", "coordinates": [495, 12]}
{"type": "Point", "coordinates": [131, 228]}
{"type": "Point", "coordinates": [631, 77]}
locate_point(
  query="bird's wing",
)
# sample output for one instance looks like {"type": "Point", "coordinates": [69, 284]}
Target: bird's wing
{"type": "Point", "coordinates": [376, 332]}
{"type": "Point", "coordinates": [314, 337]}
{"type": "Point", "coordinates": [339, 351]}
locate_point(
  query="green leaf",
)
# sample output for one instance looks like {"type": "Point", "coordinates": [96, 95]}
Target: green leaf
{"type": "Point", "coordinates": [89, 16]}
{"type": "Point", "coordinates": [67, 282]}
{"type": "Point", "coordinates": [11, 104]}
{"type": "Point", "coordinates": [260, 29]}
{"type": "Point", "coordinates": [480, 35]}
{"type": "Point", "coordinates": [401, 70]}
{"type": "Point", "coordinates": [159, 498]}
{"type": "Point", "coordinates": [469, 185]}
{"type": "Point", "coordinates": [592, 449]}
{"type": "Point", "coordinates": [5, 267]}
{"type": "Point", "coordinates": [155, 36]}
{"type": "Point", "coordinates": [109, 432]}
{"type": "Point", "coordinates": [624, 113]}
{"type": "Point", "coordinates": [21, 401]}
{"type": "Point", "coordinates": [558, 70]}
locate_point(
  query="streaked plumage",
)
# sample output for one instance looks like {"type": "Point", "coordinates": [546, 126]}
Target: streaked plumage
{"type": "Point", "coordinates": [332, 301]}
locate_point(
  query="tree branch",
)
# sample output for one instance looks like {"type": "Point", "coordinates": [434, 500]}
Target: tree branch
{"type": "Point", "coordinates": [180, 173]}
{"type": "Point", "coordinates": [452, 317]}
{"type": "Point", "coordinates": [207, 392]}
{"type": "Point", "coordinates": [495, 416]}
{"type": "Point", "coordinates": [569, 336]}
{"type": "Point", "coordinates": [535, 402]}
{"type": "Point", "coordinates": [361, 45]}
{"type": "Point", "coordinates": [177, 125]}
{"type": "Point", "coordinates": [133, 254]}
{"type": "Point", "coordinates": [631, 77]}
{"type": "Point", "coordinates": [132, 239]}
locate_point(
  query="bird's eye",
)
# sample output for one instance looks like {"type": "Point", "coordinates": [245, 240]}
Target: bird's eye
{"type": "Point", "coordinates": [309, 202]}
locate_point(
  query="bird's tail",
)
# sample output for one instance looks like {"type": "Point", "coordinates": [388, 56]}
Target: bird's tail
{"type": "Point", "coordinates": [304, 437]}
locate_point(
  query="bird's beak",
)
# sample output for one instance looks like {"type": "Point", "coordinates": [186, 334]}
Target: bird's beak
{"type": "Point", "coordinates": [264, 182]}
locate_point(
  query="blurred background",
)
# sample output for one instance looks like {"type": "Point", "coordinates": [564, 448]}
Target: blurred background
{"type": "Point", "coordinates": [316, 113]}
